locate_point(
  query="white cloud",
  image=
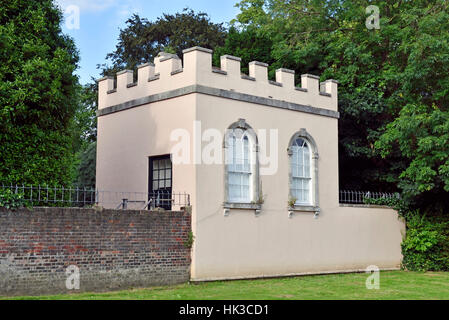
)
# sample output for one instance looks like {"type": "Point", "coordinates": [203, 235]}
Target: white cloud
{"type": "Point", "coordinates": [89, 5]}
{"type": "Point", "coordinates": [123, 9]}
{"type": "Point", "coordinates": [127, 8]}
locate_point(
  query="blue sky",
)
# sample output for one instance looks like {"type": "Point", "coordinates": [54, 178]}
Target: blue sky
{"type": "Point", "coordinates": [101, 20]}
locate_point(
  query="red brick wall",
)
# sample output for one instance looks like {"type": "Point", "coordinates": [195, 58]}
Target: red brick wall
{"type": "Point", "coordinates": [112, 249]}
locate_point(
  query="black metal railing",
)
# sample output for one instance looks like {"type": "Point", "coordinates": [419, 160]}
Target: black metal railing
{"type": "Point", "coordinates": [44, 195]}
{"type": "Point", "coordinates": [82, 197]}
{"type": "Point", "coordinates": [363, 197]}
{"type": "Point", "coordinates": [161, 199]}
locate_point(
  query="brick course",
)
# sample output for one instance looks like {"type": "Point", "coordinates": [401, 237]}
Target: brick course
{"type": "Point", "coordinates": [113, 249]}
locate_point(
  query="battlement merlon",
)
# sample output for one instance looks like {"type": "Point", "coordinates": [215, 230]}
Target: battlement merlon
{"type": "Point", "coordinates": [168, 74]}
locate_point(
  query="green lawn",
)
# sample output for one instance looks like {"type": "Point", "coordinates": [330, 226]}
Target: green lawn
{"type": "Point", "coordinates": [393, 285]}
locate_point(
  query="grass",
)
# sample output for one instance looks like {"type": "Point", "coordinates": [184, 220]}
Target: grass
{"type": "Point", "coordinates": [393, 285]}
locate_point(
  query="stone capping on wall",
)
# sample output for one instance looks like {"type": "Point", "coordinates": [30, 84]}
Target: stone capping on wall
{"type": "Point", "coordinates": [247, 77]}
{"type": "Point", "coordinates": [219, 71]}
{"type": "Point", "coordinates": [257, 63]}
{"type": "Point", "coordinates": [228, 94]}
{"type": "Point", "coordinates": [227, 56]}
{"type": "Point", "coordinates": [147, 64]}
{"type": "Point", "coordinates": [197, 49]}
{"type": "Point", "coordinates": [164, 56]}
{"type": "Point", "coordinates": [230, 67]}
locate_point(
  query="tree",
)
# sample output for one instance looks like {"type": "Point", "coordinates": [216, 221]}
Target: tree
{"type": "Point", "coordinates": [385, 76]}
{"type": "Point", "coordinates": [85, 118]}
{"type": "Point", "coordinates": [142, 40]}
{"type": "Point", "coordinates": [37, 94]}
{"type": "Point", "coordinates": [85, 135]}
{"type": "Point", "coordinates": [249, 45]}
{"type": "Point", "coordinates": [420, 132]}
{"type": "Point", "coordinates": [87, 166]}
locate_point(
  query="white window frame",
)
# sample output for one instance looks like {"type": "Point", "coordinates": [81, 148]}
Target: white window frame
{"type": "Point", "coordinates": [240, 130]}
{"type": "Point", "coordinates": [240, 166]}
{"type": "Point", "coordinates": [313, 204]}
{"type": "Point", "coordinates": [303, 163]}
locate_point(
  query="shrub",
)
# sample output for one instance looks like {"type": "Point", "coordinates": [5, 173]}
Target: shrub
{"type": "Point", "coordinates": [426, 246]}
{"type": "Point", "coordinates": [11, 200]}
{"type": "Point", "coordinates": [190, 240]}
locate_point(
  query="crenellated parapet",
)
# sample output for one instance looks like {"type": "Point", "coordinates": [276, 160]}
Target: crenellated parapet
{"type": "Point", "coordinates": [169, 75]}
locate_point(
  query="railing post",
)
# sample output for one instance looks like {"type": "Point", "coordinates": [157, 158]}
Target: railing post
{"type": "Point", "coordinates": [125, 204]}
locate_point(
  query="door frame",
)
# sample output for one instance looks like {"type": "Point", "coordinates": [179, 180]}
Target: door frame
{"type": "Point", "coordinates": [150, 173]}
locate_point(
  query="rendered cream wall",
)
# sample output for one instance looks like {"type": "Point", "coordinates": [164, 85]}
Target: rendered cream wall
{"type": "Point", "coordinates": [243, 245]}
{"type": "Point", "coordinates": [127, 139]}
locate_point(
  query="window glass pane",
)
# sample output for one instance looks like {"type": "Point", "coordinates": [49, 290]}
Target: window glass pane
{"type": "Point", "coordinates": [245, 195]}
{"type": "Point", "coordinates": [299, 142]}
{"type": "Point", "coordinates": [307, 187]}
{"type": "Point", "coordinates": [300, 155]}
{"type": "Point", "coordinates": [295, 156]}
{"type": "Point", "coordinates": [230, 154]}
{"type": "Point", "coordinates": [168, 174]}
{"type": "Point", "coordinates": [245, 179]}
{"type": "Point", "coordinates": [295, 187]}
{"type": "Point", "coordinates": [155, 175]}
{"type": "Point", "coordinates": [155, 164]}
{"type": "Point", "coordinates": [246, 148]}
{"type": "Point", "coordinates": [307, 172]}
{"type": "Point", "coordinates": [234, 191]}
{"type": "Point", "coordinates": [234, 179]}
{"type": "Point", "coordinates": [155, 185]}
{"type": "Point", "coordinates": [306, 156]}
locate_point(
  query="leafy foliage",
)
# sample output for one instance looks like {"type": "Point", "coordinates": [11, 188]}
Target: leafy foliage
{"type": "Point", "coordinates": [85, 119]}
{"type": "Point", "coordinates": [249, 45]}
{"type": "Point", "coordinates": [142, 40]}
{"type": "Point", "coordinates": [37, 94]}
{"type": "Point", "coordinates": [398, 75]}
{"type": "Point", "coordinates": [426, 246]}
{"type": "Point", "coordinates": [87, 166]}
{"type": "Point", "coordinates": [190, 240]}
{"type": "Point", "coordinates": [11, 200]}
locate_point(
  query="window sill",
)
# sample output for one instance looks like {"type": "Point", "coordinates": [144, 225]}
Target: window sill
{"type": "Point", "coordinates": [241, 206]}
{"type": "Point", "coordinates": [305, 208]}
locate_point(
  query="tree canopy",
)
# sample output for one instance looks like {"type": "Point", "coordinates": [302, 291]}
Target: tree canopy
{"type": "Point", "coordinates": [393, 90]}
{"type": "Point", "coordinates": [142, 40]}
{"type": "Point", "coordinates": [37, 94]}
